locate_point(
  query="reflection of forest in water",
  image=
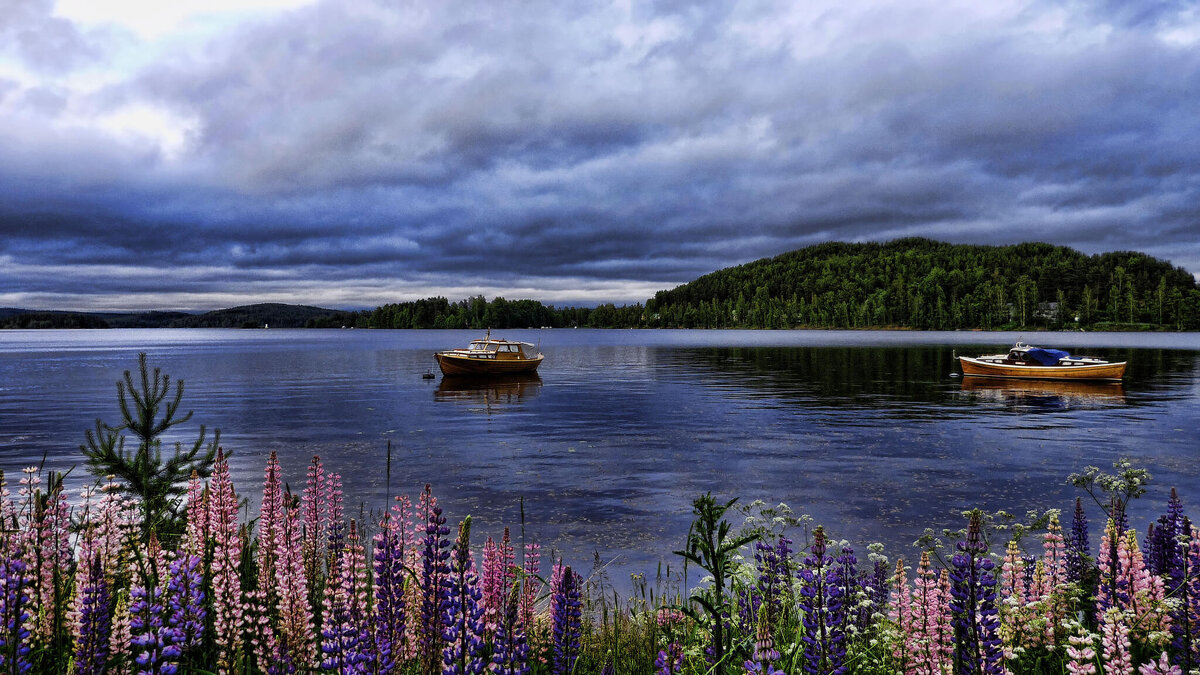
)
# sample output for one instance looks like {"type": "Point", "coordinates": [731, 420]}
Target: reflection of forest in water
{"type": "Point", "coordinates": [900, 377]}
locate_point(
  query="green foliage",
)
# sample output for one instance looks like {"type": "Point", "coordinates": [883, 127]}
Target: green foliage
{"type": "Point", "coordinates": [924, 284]}
{"type": "Point", "coordinates": [147, 414]}
{"type": "Point", "coordinates": [712, 548]}
{"type": "Point", "coordinates": [1112, 491]}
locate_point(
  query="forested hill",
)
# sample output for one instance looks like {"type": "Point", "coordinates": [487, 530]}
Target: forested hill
{"type": "Point", "coordinates": [918, 283]}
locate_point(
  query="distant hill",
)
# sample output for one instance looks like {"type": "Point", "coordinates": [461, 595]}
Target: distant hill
{"type": "Point", "coordinates": [919, 283]}
{"type": "Point", "coordinates": [275, 315]}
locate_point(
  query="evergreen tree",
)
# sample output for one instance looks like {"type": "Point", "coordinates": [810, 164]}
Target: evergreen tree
{"type": "Point", "coordinates": [147, 414]}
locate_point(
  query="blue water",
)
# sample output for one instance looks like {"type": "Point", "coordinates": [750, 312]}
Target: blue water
{"type": "Point", "coordinates": [867, 432]}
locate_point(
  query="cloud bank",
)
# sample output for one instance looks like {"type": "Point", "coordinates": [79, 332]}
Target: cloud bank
{"type": "Point", "coordinates": [350, 154]}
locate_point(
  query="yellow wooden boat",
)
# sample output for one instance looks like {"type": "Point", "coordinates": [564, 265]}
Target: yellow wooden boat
{"type": "Point", "coordinates": [490, 356]}
{"type": "Point", "coordinates": [1036, 363]}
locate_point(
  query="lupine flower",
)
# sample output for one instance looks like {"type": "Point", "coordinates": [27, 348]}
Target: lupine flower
{"type": "Point", "coordinates": [391, 605]}
{"type": "Point", "coordinates": [1162, 550]}
{"type": "Point", "coordinates": [228, 617]}
{"type": "Point", "coordinates": [973, 605]}
{"type": "Point", "coordinates": [511, 649]}
{"type": "Point", "coordinates": [774, 575]}
{"type": "Point", "coordinates": [531, 584]}
{"type": "Point", "coordinates": [1078, 547]}
{"type": "Point", "coordinates": [765, 655]}
{"type": "Point", "coordinates": [1114, 639]}
{"type": "Point", "coordinates": [462, 612]}
{"type": "Point", "coordinates": [95, 621]}
{"type": "Point", "coordinates": [932, 634]}
{"type": "Point", "coordinates": [901, 615]}
{"type": "Point", "coordinates": [186, 612]}
{"type": "Point", "coordinates": [270, 526]}
{"type": "Point", "coordinates": [821, 600]}
{"type": "Point", "coordinates": [435, 566]}
{"type": "Point", "coordinates": [670, 660]}
{"type": "Point", "coordinates": [1081, 657]}
{"type": "Point", "coordinates": [155, 645]}
{"type": "Point", "coordinates": [498, 575]}
{"type": "Point", "coordinates": [15, 618]}
{"type": "Point", "coordinates": [567, 613]}
{"type": "Point", "coordinates": [295, 612]}
{"type": "Point", "coordinates": [1185, 618]}
{"type": "Point", "coordinates": [1054, 557]}
{"type": "Point", "coordinates": [314, 510]}
{"type": "Point", "coordinates": [1161, 667]}
{"type": "Point", "coordinates": [346, 641]}
{"type": "Point", "coordinates": [196, 536]}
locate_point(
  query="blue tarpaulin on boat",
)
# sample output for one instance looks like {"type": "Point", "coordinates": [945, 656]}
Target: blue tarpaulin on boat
{"type": "Point", "coordinates": [1047, 357]}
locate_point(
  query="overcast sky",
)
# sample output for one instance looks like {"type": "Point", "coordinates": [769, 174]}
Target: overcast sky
{"type": "Point", "coordinates": [198, 154]}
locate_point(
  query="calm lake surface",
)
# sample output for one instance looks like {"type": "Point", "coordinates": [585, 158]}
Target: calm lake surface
{"type": "Point", "coordinates": [865, 431]}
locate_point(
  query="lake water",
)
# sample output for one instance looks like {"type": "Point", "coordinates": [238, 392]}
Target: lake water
{"type": "Point", "coordinates": [865, 431]}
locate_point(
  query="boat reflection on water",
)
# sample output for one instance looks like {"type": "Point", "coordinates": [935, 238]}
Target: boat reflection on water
{"type": "Point", "coordinates": [495, 390]}
{"type": "Point", "coordinates": [1055, 394]}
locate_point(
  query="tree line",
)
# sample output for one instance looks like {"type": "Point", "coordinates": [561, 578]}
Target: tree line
{"type": "Point", "coordinates": [907, 283]}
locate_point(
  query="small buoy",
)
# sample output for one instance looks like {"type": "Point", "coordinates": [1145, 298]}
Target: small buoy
{"type": "Point", "coordinates": [953, 374]}
{"type": "Point", "coordinates": [427, 376]}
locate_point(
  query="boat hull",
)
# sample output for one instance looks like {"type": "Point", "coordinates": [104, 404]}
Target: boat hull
{"type": "Point", "coordinates": [455, 364]}
{"type": "Point", "coordinates": [1112, 372]}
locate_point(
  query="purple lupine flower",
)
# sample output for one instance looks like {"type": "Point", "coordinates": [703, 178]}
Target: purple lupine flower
{"type": "Point", "coordinates": [346, 641]}
{"type": "Point", "coordinates": [154, 643]}
{"type": "Point", "coordinates": [186, 613]}
{"type": "Point", "coordinates": [1078, 547]}
{"type": "Point", "coordinates": [853, 591]}
{"type": "Point", "coordinates": [567, 611]}
{"type": "Point", "coordinates": [1162, 552]}
{"type": "Point", "coordinates": [390, 604]}
{"type": "Point", "coordinates": [95, 621]}
{"type": "Point", "coordinates": [1185, 617]}
{"type": "Point", "coordinates": [670, 660]}
{"type": "Point", "coordinates": [435, 565]}
{"type": "Point", "coordinates": [774, 574]}
{"type": "Point", "coordinates": [822, 602]}
{"type": "Point", "coordinates": [973, 605]}
{"type": "Point", "coordinates": [462, 611]}
{"type": "Point", "coordinates": [511, 655]}
{"type": "Point", "coordinates": [14, 612]}
{"type": "Point", "coordinates": [876, 586]}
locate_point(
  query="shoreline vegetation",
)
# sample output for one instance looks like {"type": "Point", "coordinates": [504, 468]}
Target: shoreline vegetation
{"type": "Point", "coordinates": [907, 284]}
{"type": "Point", "coordinates": [171, 569]}
{"type": "Point", "coordinates": [296, 586]}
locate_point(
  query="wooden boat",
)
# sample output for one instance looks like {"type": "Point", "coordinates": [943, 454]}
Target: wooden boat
{"type": "Point", "coordinates": [490, 356]}
{"type": "Point", "coordinates": [1036, 363]}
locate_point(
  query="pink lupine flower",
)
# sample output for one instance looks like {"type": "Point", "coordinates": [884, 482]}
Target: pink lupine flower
{"type": "Point", "coordinates": [1138, 591]}
{"type": "Point", "coordinates": [498, 576]}
{"type": "Point", "coordinates": [260, 633]}
{"type": "Point", "coordinates": [1054, 557]}
{"type": "Point", "coordinates": [932, 631]}
{"type": "Point", "coordinates": [270, 523]}
{"type": "Point", "coordinates": [901, 615]}
{"type": "Point", "coordinates": [1161, 667]}
{"type": "Point", "coordinates": [228, 617]}
{"type": "Point", "coordinates": [295, 613]}
{"type": "Point", "coordinates": [195, 539]}
{"type": "Point", "coordinates": [1114, 638]}
{"type": "Point", "coordinates": [1012, 574]}
{"type": "Point", "coordinates": [1081, 657]}
{"type": "Point", "coordinates": [314, 509]}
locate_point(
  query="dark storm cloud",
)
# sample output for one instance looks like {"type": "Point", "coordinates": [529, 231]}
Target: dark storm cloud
{"type": "Point", "coordinates": [416, 148]}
